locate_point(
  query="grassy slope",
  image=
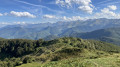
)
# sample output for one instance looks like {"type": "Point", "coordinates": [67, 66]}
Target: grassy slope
{"type": "Point", "coordinates": [106, 61]}
{"type": "Point", "coordinates": [78, 57]}
{"type": "Point", "coordinates": [73, 50]}
{"type": "Point", "coordinates": [84, 58]}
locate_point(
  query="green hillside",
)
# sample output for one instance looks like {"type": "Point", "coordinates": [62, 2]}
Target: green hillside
{"type": "Point", "coordinates": [107, 61]}
{"type": "Point", "coordinates": [16, 52]}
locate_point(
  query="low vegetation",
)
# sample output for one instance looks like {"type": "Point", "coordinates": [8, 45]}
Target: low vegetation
{"type": "Point", "coordinates": [106, 61]}
{"type": "Point", "coordinates": [75, 52]}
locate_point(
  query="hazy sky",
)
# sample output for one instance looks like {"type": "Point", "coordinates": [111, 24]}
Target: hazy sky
{"type": "Point", "coordinates": [41, 11]}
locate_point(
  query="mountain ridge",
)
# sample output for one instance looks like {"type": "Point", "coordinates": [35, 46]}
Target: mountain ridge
{"type": "Point", "coordinates": [58, 29]}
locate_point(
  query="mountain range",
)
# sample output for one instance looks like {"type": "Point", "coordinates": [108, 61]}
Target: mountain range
{"type": "Point", "coordinates": [111, 35]}
{"type": "Point", "coordinates": [100, 29]}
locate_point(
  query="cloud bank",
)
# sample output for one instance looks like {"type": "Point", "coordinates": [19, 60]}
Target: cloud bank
{"type": "Point", "coordinates": [22, 14]}
{"type": "Point", "coordinates": [84, 5]}
{"type": "Point", "coordinates": [49, 16]}
{"type": "Point", "coordinates": [112, 7]}
{"type": "Point", "coordinates": [108, 13]}
{"type": "Point", "coordinates": [73, 18]}
{"type": "Point", "coordinates": [63, 18]}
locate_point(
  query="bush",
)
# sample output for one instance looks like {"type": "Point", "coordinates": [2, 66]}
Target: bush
{"type": "Point", "coordinates": [28, 59]}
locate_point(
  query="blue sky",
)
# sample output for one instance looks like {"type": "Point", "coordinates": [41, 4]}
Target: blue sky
{"type": "Point", "coordinates": [41, 11]}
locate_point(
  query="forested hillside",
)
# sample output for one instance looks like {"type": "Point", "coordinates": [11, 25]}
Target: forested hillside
{"type": "Point", "coordinates": [15, 52]}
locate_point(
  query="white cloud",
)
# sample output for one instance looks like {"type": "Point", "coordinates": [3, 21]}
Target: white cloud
{"type": "Point", "coordinates": [19, 23]}
{"type": "Point", "coordinates": [84, 5]}
{"type": "Point", "coordinates": [64, 18]}
{"type": "Point", "coordinates": [88, 9]}
{"type": "Point", "coordinates": [4, 23]}
{"type": "Point", "coordinates": [49, 16]}
{"type": "Point", "coordinates": [15, 23]}
{"type": "Point", "coordinates": [112, 7]}
{"type": "Point", "coordinates": [9, 23]}
{"type": "Point", "coordinates": [22, 14]}
{"type": "Point", "coordinates": [1, 14]}
{"type": "Point", "coordinates": [73, 18]}
{"type": "Point", "coordinates": [107, 13]}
